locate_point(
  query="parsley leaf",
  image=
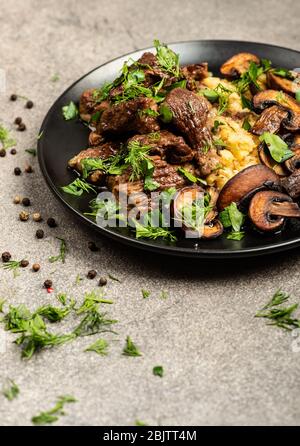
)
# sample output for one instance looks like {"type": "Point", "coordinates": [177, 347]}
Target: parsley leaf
{"type": "Point", "coordinates": [6, 139]}
{"type": "Point", "coordinates": [167, 59]}
{"type": "Point", "coordinates": [278, 148]}
{"type": "Point", "coordinates": [52, 415]}
{"type": "Point", "coordinates": [77, 187]}
{"type": "Point", "coordinates": [62, 252]}
{"type": "Point", "coordinates": [231, 217]}
{"type": "Point", "coordinates": [100, 347]}
{"type": "Point", "coordinates": [130, 348]}
{"type": "Point", "coordinates": [10, 390]}
{"type": "Point", "coordinates": [70, 111]}
{"type": "Point", "coordinates": [158, 371]}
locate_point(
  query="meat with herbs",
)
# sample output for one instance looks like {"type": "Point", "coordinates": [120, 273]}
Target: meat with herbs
{"type": "Point", "coordinates": [88, 105]}
{"type": "Point", "coordinates": [194, 74]}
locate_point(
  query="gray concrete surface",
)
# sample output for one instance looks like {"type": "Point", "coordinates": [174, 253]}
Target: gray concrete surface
{"type": "Point", "coordinates": [222, 366]}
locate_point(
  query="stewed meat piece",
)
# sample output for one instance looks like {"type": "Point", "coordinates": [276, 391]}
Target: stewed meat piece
{"type": "Point", "coordinates": [194, 74]}
{"type": "Point", "coordinates": [88, 105]}
{"type": "Point", "coordinates": [189, 114]}
{"type": "Point", "coordinates": [169, 146]}
{"type": "Point", "coordinates": [130, 116]}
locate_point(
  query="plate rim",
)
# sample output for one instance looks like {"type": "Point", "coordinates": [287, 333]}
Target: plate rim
{"type": "Point", "coordinates": [201, 253]}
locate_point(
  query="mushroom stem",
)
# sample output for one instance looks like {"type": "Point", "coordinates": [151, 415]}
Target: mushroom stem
{"type": "Point", "coordinates": [284, 209]}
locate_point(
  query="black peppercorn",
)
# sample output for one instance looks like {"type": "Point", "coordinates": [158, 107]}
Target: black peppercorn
{"type": "Point", "coordinates": [102, 281]}
{"type": "Point", "coordinates": [26, 202]}
{"type": "Point", "coordinates": [51, 222]}
{"type": "Point", "coordinates": [92, 274]}
{"type": "Point", "coordinates": [18, 120]}
{"type": "Point", "coordinates": [29, 104]}
{"type": "Point", "coordinates": [48, 283]}
{"type": "Point", "coordinates": [93, 247]}
{"type": "Point", "coordinates": [2, 153]}
{"type": "Point", "coordinates": [17, 171]}
{"type": "Point", "coordinates": [21, 127]}
{"type": "Point", "coordinates": [39, 233]}
{"type": "Point", "coordinates": [24, 263]}
{"type": "Point", "coordinates": [13, 97]}
{"type": "Point", "coordinates": [6, 256]}
{"type": "Point", "coordinates": [13, 151]}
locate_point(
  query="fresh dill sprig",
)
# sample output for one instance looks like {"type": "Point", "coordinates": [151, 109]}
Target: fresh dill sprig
{"type": "Point", "coordinates": [52, 415]}
{"type": "Point", "coordinates": [77, 187]}
{"type": "Point", "coordinates": [53, 314]}
{"type": "Point", "coordinates": [107, 209]}
{"type": "Point", "coordinates": [113, 278]}
{"type": "Point", "coordinates": [94, 322]}
{"type": "Point", "coordinates": [62, 252]}
{"type": "Point", "coordinates": [31, 151]}
{"type": "Point", "coordinates": [91, 301]}
{"type": "Point", "coordinates": [12, 265]}
{"type": "Point", "coordinates": [5, 138]}
{"type": "Point", "coordinates": [167, 59]}
{"type": "Point", "coordinates": [130, 348]}
{"type": "Point", "coordinates": [100, 347]}
{"type": "Point", "coordinates": [70, 111]}
{"type": "Point", "coordinates": [281, 317]}
{"type": "Point", "coordinates": [153, 232]}
{"type": "Point", "coordinates": [10, 390]}
{"type": "Point", "coordinates": [137, 158]}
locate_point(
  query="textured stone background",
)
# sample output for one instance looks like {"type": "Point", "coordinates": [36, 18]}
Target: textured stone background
{"type": "Point", "coordinates": [222, 366]}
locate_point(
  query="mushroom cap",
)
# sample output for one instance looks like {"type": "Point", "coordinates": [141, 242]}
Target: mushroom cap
{"type": "Point", "coordinates": [238, 64]}
{"type": "Point", "coordinates": [184, 198]}
{"type": "Point", "coordinates": [244, 183]}
{"type": "Point", "coordinates": [212, 230]}
{"type": "Point", "coordinates": [293, 163]}
{"type": "Point", "coordinates": [267, 160]}
{"type": "Point", "coordinates": [267, 98]}
{"type": "Point", "coordinates": [276, 82]}
{"type": "Point", "coordinates": [268, 210]}
{"type": "Point", "coordinates": [270, 120]}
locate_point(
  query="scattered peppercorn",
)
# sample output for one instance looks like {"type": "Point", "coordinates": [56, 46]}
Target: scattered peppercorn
{"type": "Point", "coordinates": [17, 171]}
{"type": "Point", "coordinates": [37, 216]}
{"type": "Point", "coordinates": [51, 222]}
{"type": "Point", "coordinates": [48, 283]}
{"type": "Point", "coordinates": [29, 104]}
{"type": "Point", "coordinates": [24, 215]}
{"type": "Point", "coordinates": [102, 281]}
{"type": "Point", "coordinates": [24, 263]}
{"type": "Point", "coordinates": [39, 233]}
{"type": "Point", "coordinates": [21, 127]}
{"type": "Point", "coordinates": [6, 256]}
{"type": "Point", "coordinates": [13, 97]}
{"type": "Point", "coordinates": [35, 267]}
{"type": "Point", "coordinates": [28, 169]}
{"type": "Point", "coordinates": [26, 202]}
{"type": "Point", "coordinates": [2, 153]}
{"type": "Point", "coordinates": [92, 274]}
{"type": "Point", "coordinates": [17, 199]}
{"type": "Point", "coordinates": [13, 151]}
{"type": "Point", "coordinates": [18, 120]}
{"type": "Point", "coordinates": [93, 247]}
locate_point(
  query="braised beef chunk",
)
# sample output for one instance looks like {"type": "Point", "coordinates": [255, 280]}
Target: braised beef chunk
{"type": "Point", "coordinates": [153, 71]}
{"type": "Point", "coordinates": [169, 146]}
{"type": "Point", "coordinates": [88, 105]}
{"type": "Point", "coordinates": [194, 74]}
{"type": "Point", "coordinates": [189, 115]}
{"type": "Point", "coordinates": [129, 116]}
{"type": "Point", "coordinates": [292, 184]}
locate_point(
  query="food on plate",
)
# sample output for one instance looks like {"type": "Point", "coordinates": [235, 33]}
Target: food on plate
{"type": "Point", "coordinates": [177, 144]}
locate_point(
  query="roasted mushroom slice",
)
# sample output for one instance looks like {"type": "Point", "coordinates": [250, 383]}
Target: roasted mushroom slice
{"type": "Point", "coordinates": [268, 210]}
{"type": "Point", "coordinates": [212, 230]}
{"type": "Point", "coordinates": [213, 198]}
{"type": "Point", "coordinates": [293, 163]}
{"type": "Point", "coordinates": [292, 184]}
{"type": "Point", "coordinates": [270, 120]}
{"type": "Point", "coordinates": [289, 86]}
{"type": "Point", "coordinates": [188, 210]}
{"type": "Point", "coordinates": [267, 98]}
{"type": "Point", "coordinates": [267, 160]}
{"type": "Point", "coordinates": [238, 64]}
{"type": "Point", "coordinates": [245, 183]}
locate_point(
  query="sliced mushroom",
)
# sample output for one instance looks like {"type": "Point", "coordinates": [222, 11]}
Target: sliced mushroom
{"type": "Point", "coordinates": [280, 83]}
{"type": "Point", "coordinates": [184, 198]}
{"type": "Point", "coordinates": [212, 230]}
{"type": "Point", "coordinates": [214, 194]}
{"type": "Point", "coordinates": [238, 64]}
{"type": "Point", "coordinates": [267, 160]}
{"type": "Point", "coordinates": [267, 98]}
{"type": "Point", "coordinates": [293, 163]}
{"type": "Point", "coordinates": [270, 120]}
{"type": "Point", "coordinates": [292, 184]}
{"type": "Point", "coordinates": [268, 210]}
{"type": "Point", "coordinates": [245, 183]}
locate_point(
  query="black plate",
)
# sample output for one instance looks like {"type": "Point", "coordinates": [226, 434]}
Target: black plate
{"type": "Point", "coordinates": [61, 140]}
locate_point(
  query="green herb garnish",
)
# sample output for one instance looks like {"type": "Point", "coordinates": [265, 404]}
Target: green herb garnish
{"type": "Point", "coordinates": [145, 294]}
{"type": "Point", "coordinates": [130, 348]}
{"type": "Point", "coordinates": [53, 415]}
{"type": "Point", "coordinates": [158, 371]}
{"type": "Point", "coordinates": [167, 59]}
{"type": "Point", "coordinates": [231, 217]}
{"type": "Point", "coordinates": [12, 265]}
{"type": "Point", "coordinates": [70, 111]}
{"type": "Point", "coordinates": [166, 114]}
{"type": "Point", "coordinates": [62, 252]}
{"type": "Point", "coordinates": [246, 125]}
{"type": "Point", "coordinates": [10, 390]}
{"type": "Point", "coordinates": [281, 317]}
{"type": "Point", "coordinates": [77, 187]}
{"type": "Point", "coordinates": [283, 72]}
{"type": "Point", "coordinates": [189, 176]}
{"type": "Point", "coordinates": [100, 347]}
{"type": "Point", "coordinates": [278, 148]}
{"type": "Point", "coordinates": [5, 138]}
{"type": "Point", "coordinates": [153, 233]}
{"type": "Point", "coordinates": [31, 151]}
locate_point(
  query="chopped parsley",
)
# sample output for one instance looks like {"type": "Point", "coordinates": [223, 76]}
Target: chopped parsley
{"type": "Point", "coordinates": [166, 114]}
{"type": "Point", "coordinates": [77, 187]}
{"type": "Point", "coordinates": [167, 59]}
{"type": "Point", "coordinates": [278, 148]}
{"type": "Point", "coordinates": [53, 415]}
{"type": "Point", "coordinates": [278, 315]}
{"type": "Point", "coordinates": [145, 293]}
{"type": "Point", "coordinates": [62, 252]}
{"type": "Point", "coordinates": [189, 176]}
{"type": "Point", "coordinates": [10, 390]}
{"type": "Point", "coordinates": [5, 138]}
{"type": "Point", "coordinates": [232, 218]}
{"type": "Point", "coordinates": [100, 347]}
{"type": "Point", "coordinates": [158, 371]}
{"type": "Point", "coordinates": [130, 348]}
{"type": "Point", "coordinates": [70, 111]}
{"type": "Point", "coordinates": [31, 151]}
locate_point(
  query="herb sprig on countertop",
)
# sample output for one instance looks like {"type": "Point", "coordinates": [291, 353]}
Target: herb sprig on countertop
{"type": "Point", "coordinates": [279, 315]}
{"type": "Point", "coordinates": [10, 390]}
{"type": "Point", "coordinates": [130, 348]}
{"type": "Point", "coordinates": [53, 415]}
{"type": "Point", "coordinates": [6, 140]}
{"type": "Point", "coordinates": [62, 252]}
